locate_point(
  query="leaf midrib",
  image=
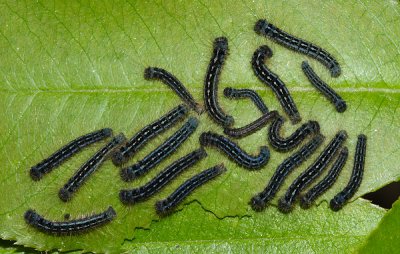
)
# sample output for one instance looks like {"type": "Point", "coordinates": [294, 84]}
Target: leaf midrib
{"type": "Point", "coordinates": [194, 90]}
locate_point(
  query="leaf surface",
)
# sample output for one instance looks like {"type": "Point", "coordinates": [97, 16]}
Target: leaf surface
{"type": "Point", "coordinates": [69, 69]}
{"type": "Point", "coordinates": [385, 238]}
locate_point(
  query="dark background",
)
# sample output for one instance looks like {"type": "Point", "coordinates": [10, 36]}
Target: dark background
{"type": "Point", "coordinates": [386, 196]}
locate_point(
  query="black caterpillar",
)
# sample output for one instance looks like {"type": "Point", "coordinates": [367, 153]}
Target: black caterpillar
{"type": "Point", "coordinates": [311, 173]}
{"type": "Point", "coordinates": [252, 127]}
{"type": "Point", "coordinates": [166, 206]}
{"type": "Point", "coordinates": [287, 144]}
{"type": "Point", "coordinates": [260, 201]}
{"type": "Point", "coordinates": [87, 169]}
{"type": "Point", "coordinates": [161, 152]}
{"type": "Point", "coordinates": [272, 80]}
{"type": "Point", "coordinates": [308, 199]}
{"type": "Point", "coordinates": [68, 227]}
{"type": "Point", "coordinates": [356, 176]}
{"type": "Point", "coordinates": [148, 133]}
{"type": "Point", "coordinates": [323, 87]}
{"type": "Point", "coordinates": [174, 83]}
{"type": "Point", "coordinates": [233, 93]}
{"type": "Point", "coordinates": [289, 41]}
{"type": "Point", "coordinates": [142, 193]}
{"type": "Point", "coordinates": [211, 83]}
{"type": "Point", "coordinates": [66, 152]}
{"type": "Point", "coordinates": [235, 152]}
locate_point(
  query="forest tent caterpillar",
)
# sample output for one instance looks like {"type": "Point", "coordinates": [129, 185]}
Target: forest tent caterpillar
{"type": "Point", "coordinates": [166, 206]}
{"type": "Point", "coordinates": [211, 81]}
{"type": "Point", "coordinates": [161, 152]}
{"type": "Point", "coordinates": [68, 227]}
{"type": "Point", "coordinates": [308, 199]}
{"type": "Point", "coordinates": [274, 82]}
{"type": "Point", "coordinates": [174, 83]}
{"type": "Point", "coordinates": [66, 152]}
{"type": "Point", "coordinates": [265, 28]}
{"type": "Point", "coordinates": [260, 201]}
{"type": "Point", "coordinates": [148, 133]}
{"type": "Point", "coordinates": [323, 88]}
{"type": "Point", "coordinates": [234, 152]}
{"type": "Point", "coordinates": [285, 204]}
{"type": "Point", "coordinates": [356, 176]}
{"type": "Point", "coordinates": [144, 192]}
{"type": "Point", "coordinates": [87, 169]}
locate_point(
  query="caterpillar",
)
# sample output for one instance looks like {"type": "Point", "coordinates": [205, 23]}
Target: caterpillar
{"type": "Point", "coordinates": [87, 169]}
{"type": "Point", "coordinates": [260, 201]}
{"type": "Point", "coordinates": [323, 88]}
{"type": "Point", "coordinates": [68, 227]}
{"type": "Point", "coordinates": [251, 127]}
{"type": "Point", "coordinates": [285, 204]}
{"type": "Point", "coordinates": [166, 206]}
{"type": "Point", "coordinates": [356, 176]}
{"type": "Point", "coordinates": [265, 28]}
{"type": "Point", "coordinates": [148, 133]}
{"type": "Point", "coordinates": [233, 93]}
{"type": "Point", "coordinates": [286, 144]}
{"type": "Point", "coordinates": [47, 165]}
{"type": "Point", "coordinates": [211, 83]}
{"type": "Point", "coordinates": [308, 199]}
{"type": "Point", "coordinates": [274, 82]}
{"type": "Point", "coordinates": [161, 152]}
{"type": "Point", "coordinates": [235, 152]}
{"type": "Point", "coordinates": [142, 193]}
{"type": "Point", "coordinates": [174, 83]}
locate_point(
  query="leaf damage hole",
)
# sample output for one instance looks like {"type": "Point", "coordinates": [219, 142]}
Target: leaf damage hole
{"type": "Point", "coordinates": [385, 196]}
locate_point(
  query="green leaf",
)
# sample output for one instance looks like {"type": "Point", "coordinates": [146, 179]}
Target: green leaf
{"type": "Point", "coordinates": [385, 238]}
{"type": "Point", "coordinates": [68, 69]}
{"type": "Point", "coordinates": [261, 233]}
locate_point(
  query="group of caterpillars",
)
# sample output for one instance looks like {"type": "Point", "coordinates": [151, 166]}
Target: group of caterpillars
{"type": "Point", "coordinates": [121, 150]}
